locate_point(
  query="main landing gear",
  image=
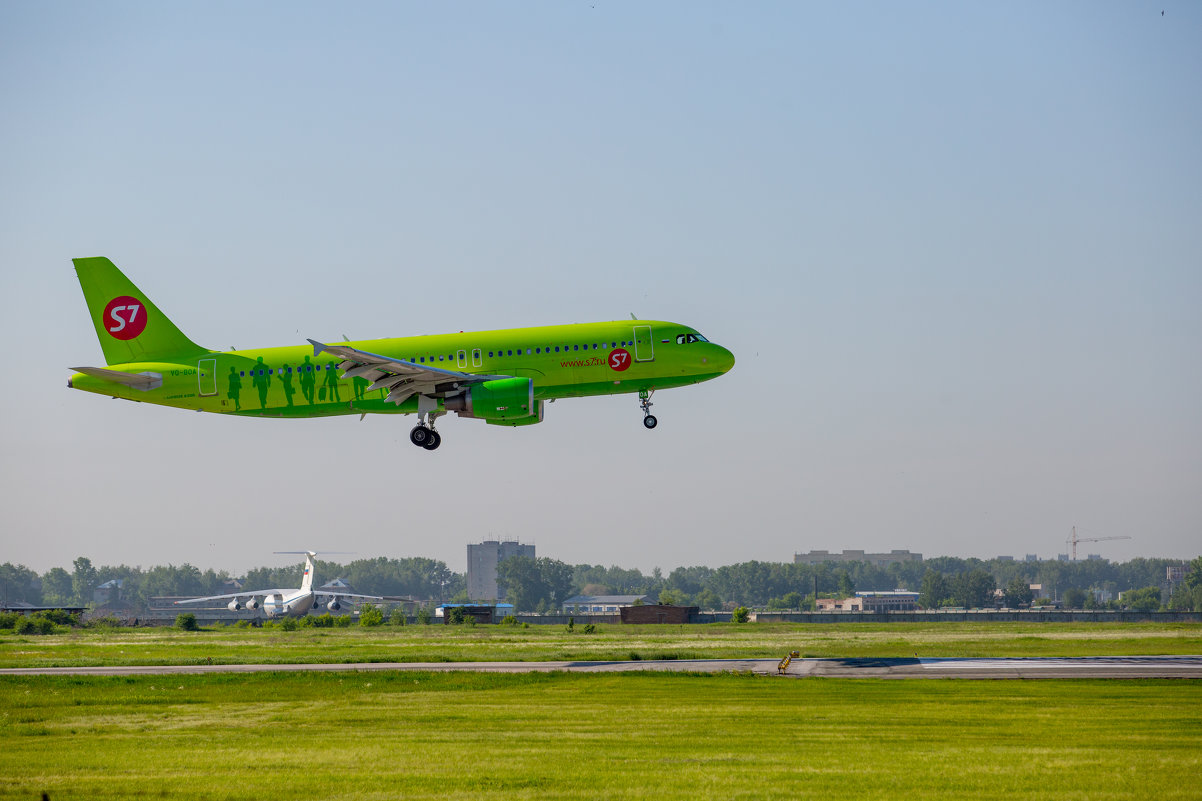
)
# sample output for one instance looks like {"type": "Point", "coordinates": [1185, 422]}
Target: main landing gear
{"type": "Point", "coordinates": [423, 434]}
{"type": "Point", "coordinates": [645, 404]}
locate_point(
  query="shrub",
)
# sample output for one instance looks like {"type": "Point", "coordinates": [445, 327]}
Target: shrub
{"type": "Point", "coordinates": [8, 620]}
{"type": "Point", "coordinates": [424, 616]}
{"type": "Point", "coordinates": [740, 615]}
{"type": "Point", "coordinates": [790, 600]}
{"type": "Point", "coordinates": [244, 623]}
{"type": "Point", "coordinates": [589, 628]}
{"type": "Point", "coordinates": [34, 624]}
{"type": "Point", "coordinates": [397, 618]}
{"type": "Point", "coordinates": [290, 624]}
{"type": "Point", "coordinates": [106, 622]}
{"type": "Point", "coordinates": [370, 615]}
{"type": "Point", "coordinates": [186, 621]}
{"type": "Point", "coordinates": [343, 621]}
{"type": "Point", "coordinates": [60, 616]}
{"type": "Point", "coordinates": [1145, 599]}
{"type": "Point", "coordinates": [509, 620]}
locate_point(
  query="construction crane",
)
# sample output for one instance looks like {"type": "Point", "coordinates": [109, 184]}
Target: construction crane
{"type": "Point", "coordinates": [1074, 539]}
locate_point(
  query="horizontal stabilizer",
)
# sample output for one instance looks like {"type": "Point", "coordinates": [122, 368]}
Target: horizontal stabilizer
{"type": "Point", "coordinates": [140, 381]}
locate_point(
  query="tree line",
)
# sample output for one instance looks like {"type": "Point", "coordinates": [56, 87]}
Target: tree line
{"type": "Point", "coordinates": [542, 584]}
{"type": "Point", "coordinates": [413, 577]}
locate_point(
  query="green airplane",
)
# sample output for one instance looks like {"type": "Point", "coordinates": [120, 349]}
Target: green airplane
{"type": "Point", "coordinates": [502, 377]}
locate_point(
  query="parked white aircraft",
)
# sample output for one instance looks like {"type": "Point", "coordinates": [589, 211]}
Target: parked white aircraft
{"type": "Point", "coordinates": [295, 602]}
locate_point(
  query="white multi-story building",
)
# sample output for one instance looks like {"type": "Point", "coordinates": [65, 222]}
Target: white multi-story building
{"type": "Point", "coordinates": [482, 561]}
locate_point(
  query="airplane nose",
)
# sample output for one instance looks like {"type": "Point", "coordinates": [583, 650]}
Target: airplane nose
{"type": "Point", "coordinates": [724, 359]}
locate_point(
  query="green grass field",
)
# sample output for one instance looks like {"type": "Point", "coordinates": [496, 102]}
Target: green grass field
{"type": "Point", "coordinates": [376, 735]}
{"type": "Point", "coordinates": [568, 736]}
{"type": "Point", "coordinates": [159, 646]}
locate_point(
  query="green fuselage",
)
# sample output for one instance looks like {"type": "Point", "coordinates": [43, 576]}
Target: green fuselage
{"type": "Point", "coordinates": [563, 361]}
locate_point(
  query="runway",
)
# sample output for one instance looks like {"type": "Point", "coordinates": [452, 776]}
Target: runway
{"type": "Point", "coordinates": [1111, 667]}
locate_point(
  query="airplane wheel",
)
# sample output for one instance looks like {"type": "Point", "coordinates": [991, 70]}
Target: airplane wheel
{"type": "Point", "coordinates": [435, 440]}
{"type": "Point", "coordinates": [420, 436]}
{"type": "Point", "coordinates": [650, 421]}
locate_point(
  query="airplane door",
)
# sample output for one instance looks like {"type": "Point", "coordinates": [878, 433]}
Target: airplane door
{"type": "Point", "coordinates": [476, 357]}
{"type": "Point", "coordinates": [644, 345]}
{"type": "Point", "coordinates": [461, 358]}
{"type": "Point", "coordinates": [206, 373]}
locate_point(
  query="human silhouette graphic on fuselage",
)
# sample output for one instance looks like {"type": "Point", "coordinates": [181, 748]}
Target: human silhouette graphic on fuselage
{"type": "Point", "coordinates": [261, 381]}
{"type": "Point", "coordinates": [331, 384]}
{"type": "Point", "coordinates": [286, 382]}
{"type": "Point", "coordinates": [235, 388]}
{"type": "Point", "coordinates": [307, 380]}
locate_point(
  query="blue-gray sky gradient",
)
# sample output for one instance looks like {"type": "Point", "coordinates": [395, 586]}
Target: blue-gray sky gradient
{"type": "Point", "coordinates": [956, 248]}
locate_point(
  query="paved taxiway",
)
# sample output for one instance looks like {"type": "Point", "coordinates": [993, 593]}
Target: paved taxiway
{"type": "Point", "coordinates": [1110, 667]}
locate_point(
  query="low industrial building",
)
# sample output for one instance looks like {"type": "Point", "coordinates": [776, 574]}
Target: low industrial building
{"type": "Point", "coordinates": [872, 601]}
{"type": "Point", "coordinates": [878, 559]}
{"type": "Point", "coordinates": [481, 613]}
{"type": "Point", "coordinates": [584, 604]}
{"type": "Point", "coordinates": [888, 601]}
{"type": "Point", "coordinates": [657, 613]}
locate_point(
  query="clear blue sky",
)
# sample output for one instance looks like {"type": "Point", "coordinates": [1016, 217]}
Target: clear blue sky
{"type": "Point", "coordinates": [955, 247]}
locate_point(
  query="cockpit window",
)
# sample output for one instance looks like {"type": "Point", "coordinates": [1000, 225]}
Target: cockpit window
{"type": "Point", "coordinates": [682, 339]}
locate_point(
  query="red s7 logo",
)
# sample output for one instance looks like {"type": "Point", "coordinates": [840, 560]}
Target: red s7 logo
{"type": "Point", "coordinates": [124, 317]}
{"type": "Point", "coordinates": [619, 359]}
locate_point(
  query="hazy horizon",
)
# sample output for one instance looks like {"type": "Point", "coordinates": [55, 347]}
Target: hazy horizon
{"type": "Point", "coordinates": [349, 558]}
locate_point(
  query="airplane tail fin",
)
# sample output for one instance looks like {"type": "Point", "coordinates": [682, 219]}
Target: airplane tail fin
{"type": "Point", "coordinates": [130, 327]}
{"type": "Point", "coordinates": [307, 579]}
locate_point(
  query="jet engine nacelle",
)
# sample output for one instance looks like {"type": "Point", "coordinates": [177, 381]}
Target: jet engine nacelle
{"type": "Point", "coordinates": [333, 605]}
{"type": "Point", "coordinates": [503, 401]}
{"type": "Point", "coordinates": [233, 605]}
{"type": "Point", "coordinates": [252, 604]}
{"type": "Point", "coordinates": [273, 605]}
{"type": "Point", "coordinates": [537, 417]}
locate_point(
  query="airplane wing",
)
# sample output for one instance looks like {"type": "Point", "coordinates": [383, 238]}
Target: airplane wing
{"type": "Point", "coordinates": [232, 595]}
{"type": "Point", "coordinates": [353, 595]}
{"type": "Point", "coordinates": [403, 379]}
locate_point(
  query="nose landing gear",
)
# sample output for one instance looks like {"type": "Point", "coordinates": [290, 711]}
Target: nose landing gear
{"type": "Point", "coordinates": [645, 404]}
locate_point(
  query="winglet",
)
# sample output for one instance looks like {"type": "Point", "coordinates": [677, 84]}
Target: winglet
{"type": "Point", "coordinates": [317, 347]}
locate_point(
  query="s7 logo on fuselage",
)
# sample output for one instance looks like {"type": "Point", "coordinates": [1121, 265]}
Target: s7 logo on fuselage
{"type": "Point", "coordinates": [124, 317]}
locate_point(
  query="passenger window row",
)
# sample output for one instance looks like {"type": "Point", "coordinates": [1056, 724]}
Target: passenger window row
{"type": "Point", "coordinates": [566, 348]}
{"type": "Point", "coordinates": [308, 368]}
